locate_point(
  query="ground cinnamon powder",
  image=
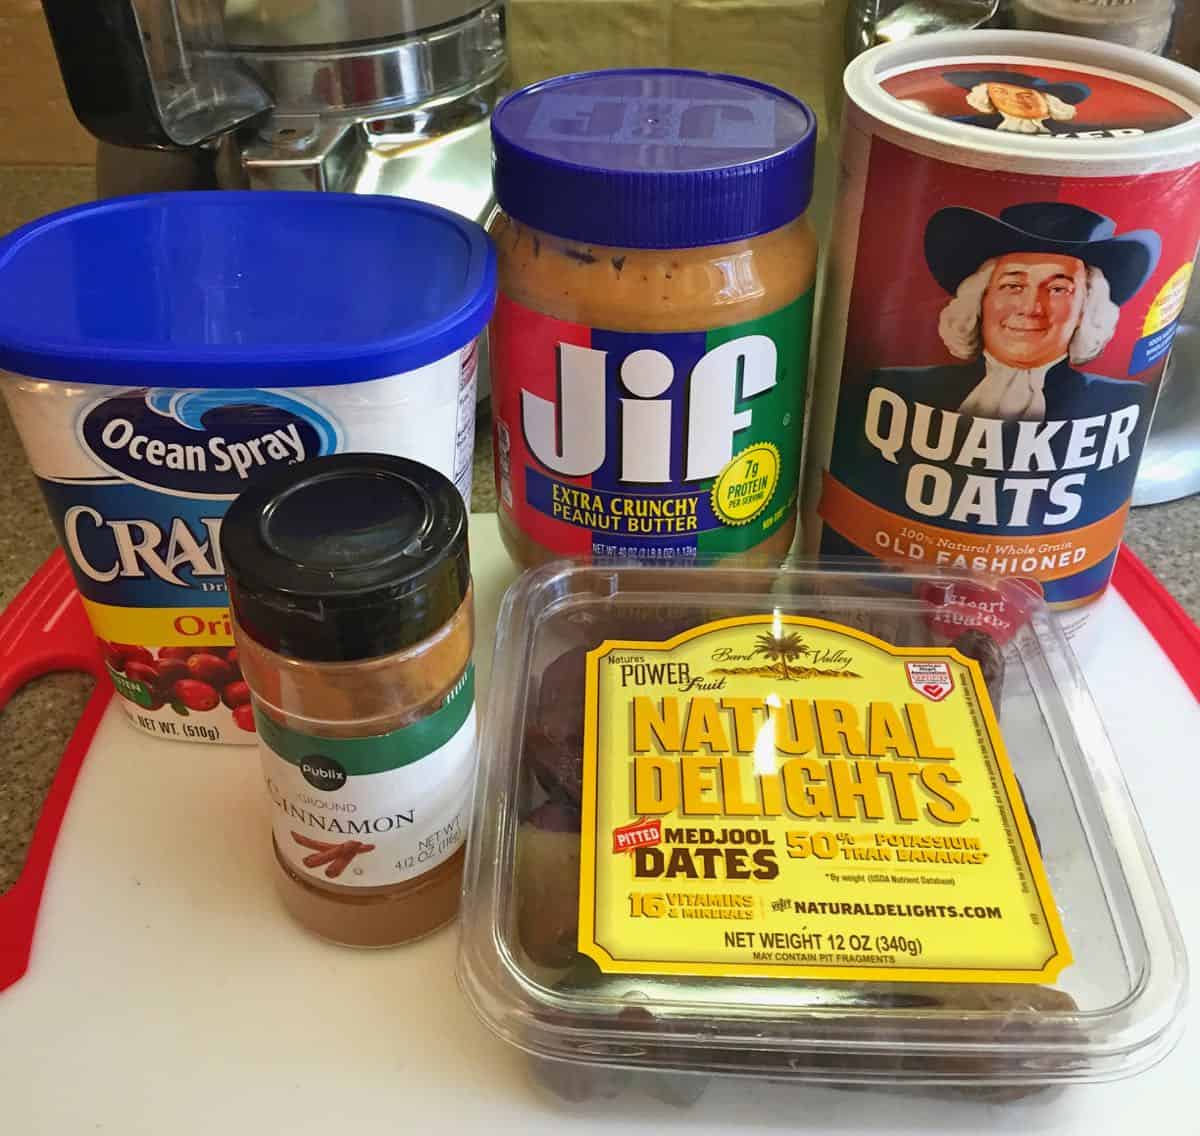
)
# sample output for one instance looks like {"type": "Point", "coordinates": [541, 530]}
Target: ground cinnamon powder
{"type": "Point", "coordinates": [350, 588]}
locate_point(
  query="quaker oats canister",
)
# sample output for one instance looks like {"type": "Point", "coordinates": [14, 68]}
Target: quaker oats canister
{"type": "Point", "coordinates": [1014, 236]}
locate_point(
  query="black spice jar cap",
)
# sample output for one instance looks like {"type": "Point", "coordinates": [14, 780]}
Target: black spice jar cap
{"type": "Point", "coordinates": [346, 557]}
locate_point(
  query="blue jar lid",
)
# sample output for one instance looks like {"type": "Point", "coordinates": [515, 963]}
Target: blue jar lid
{"type": "Point", "coordinates": [241, 289]}
{"type": "Point", "coordinates": [653, 158]}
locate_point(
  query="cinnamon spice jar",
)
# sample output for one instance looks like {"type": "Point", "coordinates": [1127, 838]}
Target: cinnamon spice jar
{"type": "Point", "coordinates": [350, 590]}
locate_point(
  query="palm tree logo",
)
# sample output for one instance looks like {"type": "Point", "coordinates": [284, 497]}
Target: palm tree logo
{"type": "Point", "coordinates": [781, 649]}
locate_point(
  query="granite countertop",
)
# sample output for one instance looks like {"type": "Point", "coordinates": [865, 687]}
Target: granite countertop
{"type": "Point", "coordinates": [39, 719]}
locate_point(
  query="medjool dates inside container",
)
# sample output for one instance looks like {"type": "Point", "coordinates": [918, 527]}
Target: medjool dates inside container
{"type": "Point", "coordinates": [872, 1003]}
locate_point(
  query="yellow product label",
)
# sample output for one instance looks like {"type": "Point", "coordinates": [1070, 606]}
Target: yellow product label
{"type": "Point", "coordinates": [1167, 305]}
{"type": "Point", "coordinates": [745, 486]}
{"type": "Point", "coordinates": [783, 797]}
{"type": "Point", "coordinates": [161, 626]}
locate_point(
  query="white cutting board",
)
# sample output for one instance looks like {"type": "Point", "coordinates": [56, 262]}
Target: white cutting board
{"type": "Point", "coordinates": [169, 995]}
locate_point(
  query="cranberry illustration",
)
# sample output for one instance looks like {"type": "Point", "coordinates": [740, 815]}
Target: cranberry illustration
{"type": "Point", "coordinates": [210, 669]}
{"type": "Point", "coordinates": [231, 657]}
{"type": "Point", "coordinates": [236, 694]}
{"type": "Point", "coordinates": [112, 657]}
{"type": "Point", "coordinates": [170, 671]}
{"type": "Point", "coordinates": [243, 716]}
{"type": "Point", "coordinates": [142, 672]}
{"type": "Point", "coordinates": [194, 694]}
{"type": "Point", "coordinates": [131, 653]}
{"type": "Point", "coordinates": [180, 653]}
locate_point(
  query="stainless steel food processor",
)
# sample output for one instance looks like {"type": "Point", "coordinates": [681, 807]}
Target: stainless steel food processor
{"type": "Point", "coordinates": [351, 95]}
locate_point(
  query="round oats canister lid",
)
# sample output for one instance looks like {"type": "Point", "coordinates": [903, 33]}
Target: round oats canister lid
{"type": "Point", "coordinates": [1029, 103]}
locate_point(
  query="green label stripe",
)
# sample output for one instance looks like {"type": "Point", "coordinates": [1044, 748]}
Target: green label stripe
{"type": "Point", "coordinates": [134, 691]}
{"type": "Point", "coordinates": [778, 418]}
{"type": "Point", "coordinates": [382, 752]}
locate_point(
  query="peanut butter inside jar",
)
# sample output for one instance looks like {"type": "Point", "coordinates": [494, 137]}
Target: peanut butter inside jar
{"type": "Point", "coordinates": [654, 290]}
{"type": "Point", "coordinates": [649, 350]}
{"type": "Point", "coordinates": [350, 587]}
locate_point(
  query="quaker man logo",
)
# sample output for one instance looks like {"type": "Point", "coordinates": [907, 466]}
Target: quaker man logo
{"type": "Point", "coordinates": [1036, 291]}
{"type": "Point", "coordinates": [784, 655]}
{"type": "Point", "coordinates": [1016, 103]}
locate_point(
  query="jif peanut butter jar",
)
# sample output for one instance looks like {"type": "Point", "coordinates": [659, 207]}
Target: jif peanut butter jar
{"type": "Point", "coordinates": [649, 348]}
{"type": "Point", "coordinates": [350, 589]}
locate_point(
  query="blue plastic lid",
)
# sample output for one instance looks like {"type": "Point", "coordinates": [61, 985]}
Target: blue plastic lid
{"type": "Point", "coordinates": [228, 289]}
{"type": "Point", "coordinates": [653, 158]}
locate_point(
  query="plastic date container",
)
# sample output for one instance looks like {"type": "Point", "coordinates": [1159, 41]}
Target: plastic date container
{"type": "Point", "coordinates": [806, 825]}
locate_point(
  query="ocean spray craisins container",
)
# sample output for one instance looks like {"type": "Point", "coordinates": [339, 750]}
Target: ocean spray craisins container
{"type": "Point", "coordinates": [650, 346]}
{"type": "Point", "coordinates": [1013, 242]}
{"type": "Point", "coordinates": [162, 350]}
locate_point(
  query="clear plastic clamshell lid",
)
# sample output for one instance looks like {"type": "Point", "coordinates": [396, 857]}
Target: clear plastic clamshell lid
{"type": "Point", "coordinates": [815, 825]}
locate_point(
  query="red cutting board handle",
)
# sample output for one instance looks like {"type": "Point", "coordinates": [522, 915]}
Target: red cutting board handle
{"type": "Point", "coordinates": [45, 629]}
{"type": "Point", "coordinates": [1161, 614]}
